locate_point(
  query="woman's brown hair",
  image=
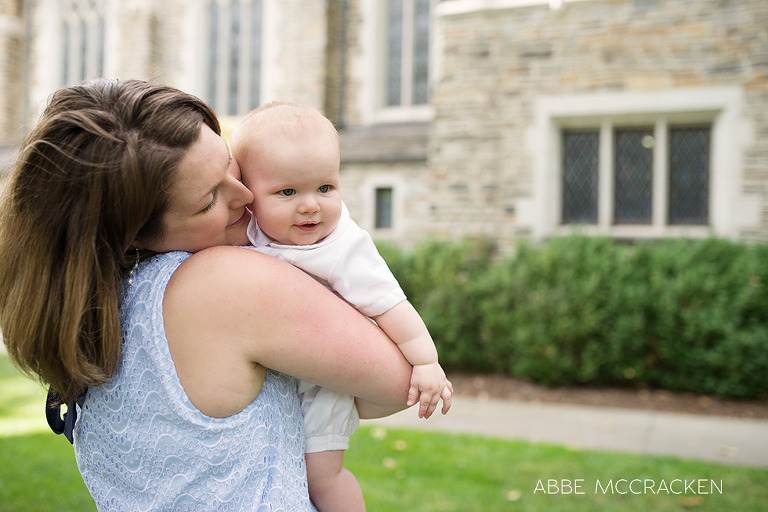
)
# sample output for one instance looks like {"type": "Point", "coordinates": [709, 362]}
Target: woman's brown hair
{"type": "Point", "coordinates": [90, 178]}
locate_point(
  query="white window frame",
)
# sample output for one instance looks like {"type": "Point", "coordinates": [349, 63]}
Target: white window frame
{"type": "Point", "coordinates": [370, 67]}
{"type": "Point", "coordinates": [729, 209]}
{"type": "Point", "coordinates": [453, 7]}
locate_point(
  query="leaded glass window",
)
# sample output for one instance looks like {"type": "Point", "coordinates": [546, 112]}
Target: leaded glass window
{"type": "Point", "coordinates": [421, 53]}
{"type": "Point", "coordinates": [213, 50]}
{"type": "Point", "coordinates": [634, 176]}
{"type": "Point", "coordinates": [254, 66]}
{"type": "Point", "coordinates": [689, 175]}
{"type": "Point", "coordinates": [234, 55]}
{"type": "Point", "coordinates": [407, 45]}
{"type": "Point", "coordinates": [395, 52]}
{"type": "Point", "coordinates": [639, 180]}
{"type": "Point", "coordinates": [83, 40]}
{"type": "Point", "coordinates": [580, 176]}
{"type": "Point", "coordinates": [233, 82]}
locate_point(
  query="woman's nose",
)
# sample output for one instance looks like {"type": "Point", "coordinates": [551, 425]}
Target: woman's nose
{"type": "Point", "coordinates": [241, 195]}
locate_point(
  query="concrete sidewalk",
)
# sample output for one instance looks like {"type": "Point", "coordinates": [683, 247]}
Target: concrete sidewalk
{"type": "Point", "coordinates": [710, 438]}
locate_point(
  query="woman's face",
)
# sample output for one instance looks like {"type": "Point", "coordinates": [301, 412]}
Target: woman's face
{"type": "Point", "coordinates": [208, 201]}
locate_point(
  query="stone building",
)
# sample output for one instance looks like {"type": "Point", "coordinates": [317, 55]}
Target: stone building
{"type": "Point", "coordinates": [505, 118]}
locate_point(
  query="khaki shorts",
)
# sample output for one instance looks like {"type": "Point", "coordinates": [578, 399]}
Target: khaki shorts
{"type": "Point", "coordinates": [330, 418]}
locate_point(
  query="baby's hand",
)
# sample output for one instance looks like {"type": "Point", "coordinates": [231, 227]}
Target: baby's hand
{"type": "Point", "coordinates": [428, 386]}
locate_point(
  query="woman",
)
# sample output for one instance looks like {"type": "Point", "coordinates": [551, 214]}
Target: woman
{"type": "Point", "coordinates": [179, 351]}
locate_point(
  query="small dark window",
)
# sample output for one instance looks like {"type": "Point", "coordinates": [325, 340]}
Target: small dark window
{"type": "Point", "coordinates": [383, 208]}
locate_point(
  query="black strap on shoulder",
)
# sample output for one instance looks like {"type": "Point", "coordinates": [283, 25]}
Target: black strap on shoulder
{"type": "Point", "coordinates": [66, 424]}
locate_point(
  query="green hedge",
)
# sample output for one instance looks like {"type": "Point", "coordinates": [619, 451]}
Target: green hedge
{"type": "Point", "coordinates": [684, 315]}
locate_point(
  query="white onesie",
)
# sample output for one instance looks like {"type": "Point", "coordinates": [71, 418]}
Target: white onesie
{"type": "Point", "coordinates": [347, 262]}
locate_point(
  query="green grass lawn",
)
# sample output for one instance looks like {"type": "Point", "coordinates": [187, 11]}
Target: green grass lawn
{"type": "Point", "coordinates": [409, 470]}
{"type": "Point", "coordinates": [403, 470]}
{"type": "Point", "coordinates": [37, 468]}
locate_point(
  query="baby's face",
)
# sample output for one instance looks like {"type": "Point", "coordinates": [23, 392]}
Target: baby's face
{"type": "Point", "coordinates": [296, 190]}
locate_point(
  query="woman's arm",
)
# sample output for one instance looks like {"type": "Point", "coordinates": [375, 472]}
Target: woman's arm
{"type": "Point", "coordinates": [227, 308]}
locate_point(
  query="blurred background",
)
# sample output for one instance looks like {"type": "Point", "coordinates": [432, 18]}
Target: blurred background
{"type": "Point", "coordinates": [571, 192]}
{"type": "Point", "coordinates": [508, 119]}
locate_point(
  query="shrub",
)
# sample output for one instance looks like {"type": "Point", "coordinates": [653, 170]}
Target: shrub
{"type": "Point", "coordinates": [709, 328]}
{"type": "Point", "coordinates": [554, 317]}
{"type": "Point", "coordinates": [439, 280]}
{"type": "Point", "coordinates": [680, 314]}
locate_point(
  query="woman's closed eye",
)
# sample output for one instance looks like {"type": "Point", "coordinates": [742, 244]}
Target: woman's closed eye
{"type": "Point", "coordinates": [209, 206]}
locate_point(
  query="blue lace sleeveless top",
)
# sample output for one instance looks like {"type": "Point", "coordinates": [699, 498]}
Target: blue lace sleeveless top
{"type": "Point", "coordinates": [140, 444]}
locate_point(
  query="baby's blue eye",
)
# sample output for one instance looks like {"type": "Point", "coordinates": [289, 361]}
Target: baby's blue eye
{"type": "Point", "coordinates": [287, 192]}
{"type": "Point", "coordinates": [324, 189]}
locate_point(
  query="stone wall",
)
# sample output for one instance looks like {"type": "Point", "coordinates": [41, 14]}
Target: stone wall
{"type": "Point", "coordinates": [497, 62]}
{"type": "Point", "coordinates": [297, 61]}
{"type": "Point", "coordinates": [12, 75]}
{"type": "Point", "coordinates": [392, 156]}
{"type": "Point", "coordinates": [470, 171]}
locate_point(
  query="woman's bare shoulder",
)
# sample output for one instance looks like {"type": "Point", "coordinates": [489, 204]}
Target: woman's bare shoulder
{"type": "Point", "coordinates": [218, 275]}
{"type": "Point", "coordinates": [225, 258]}
{"type": "Point", "coordinates": [225, 267]}
{"type": "Point", "coordinates": [263, 310]}
{"type": "Point", "coordinates": [224, 281]}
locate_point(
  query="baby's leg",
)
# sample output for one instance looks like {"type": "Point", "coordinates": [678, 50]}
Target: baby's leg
{"type": "Point", "coordinates": [331, 487]}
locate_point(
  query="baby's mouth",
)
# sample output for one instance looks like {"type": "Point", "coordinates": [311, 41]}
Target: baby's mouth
{"type": "Point", "coordinates": [308, 226]}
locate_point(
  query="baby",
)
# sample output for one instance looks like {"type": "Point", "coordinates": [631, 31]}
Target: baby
{"type": "Point", "coordinates": [290, 157]}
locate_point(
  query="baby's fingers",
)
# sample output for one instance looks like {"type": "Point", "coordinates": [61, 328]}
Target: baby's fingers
{"type": "Point", "coordinates": [428, 404]}
{"type": "Point", "coordinates": [447, 396]}
{"type": "Point", "coordinates": [413, 396]}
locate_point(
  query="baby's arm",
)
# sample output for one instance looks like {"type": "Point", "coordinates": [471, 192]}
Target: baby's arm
{"type": "Point", "coordinates": [404, 326]}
